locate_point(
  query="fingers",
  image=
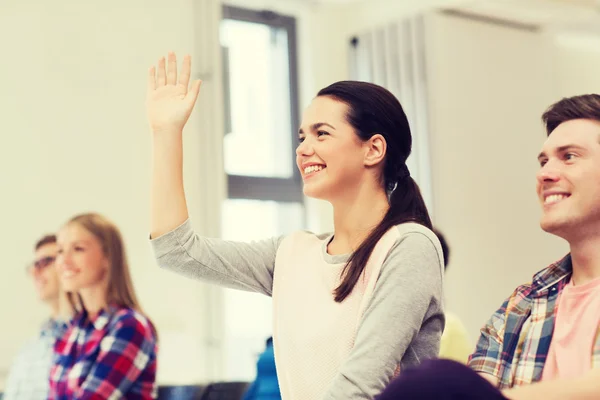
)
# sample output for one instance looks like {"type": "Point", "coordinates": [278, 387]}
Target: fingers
{"type": "Point", "coordinates": [161, 79]}
{"type": "Point", "coordinates": [172, 70]}
{"type": "Point", "coordinates": [192, 94]}
{"type": "Point", "coordinates": [166, 74]}
{"type": "Point", "coordinates": [151, 79]}
{"type": "Point", "coordinates": [186, 70]}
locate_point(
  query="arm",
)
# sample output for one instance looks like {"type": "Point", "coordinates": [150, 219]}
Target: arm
{"type": "Point", "coordinates": [585, 388]}
{"type": "Point", "coordinates": [127, 356]}
{"type": "Point", "coordinates": [486, 358]}
{"type": "Point", "coordinates": [406, 293]}
{"type": "Point", "coordinates": [169, 105]}
{"type": "Point", "coordinates": [15, 378]}
{"type": "Point", "coordinates": [244, 266]}
{"type": "Point", "coordinates": [28, 374]}
{"type": "Point", "coordinates": [236, 265]}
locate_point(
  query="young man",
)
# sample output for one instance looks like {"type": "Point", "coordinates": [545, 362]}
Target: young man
{"type": "Point", "coordinates": [28, 377]}
{"type": "Point", "coordinates": [544, 341]}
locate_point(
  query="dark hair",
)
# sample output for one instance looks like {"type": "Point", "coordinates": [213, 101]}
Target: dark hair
{"type": "Point", "coordinates": [586, 106]}
{"type": "Point", "coordinates": [445, 248]}
{"type": "Point", "coordinates": [48, 239]}
{"type": "Point", "coordinates": [374, 110]}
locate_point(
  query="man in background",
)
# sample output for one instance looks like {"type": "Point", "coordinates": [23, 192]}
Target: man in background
{"type": "Point", "coordinates": [28, 376]}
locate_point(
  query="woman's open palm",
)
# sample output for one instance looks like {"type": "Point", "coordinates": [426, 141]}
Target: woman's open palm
{"type": "Point", "coordinates": [169, 102]}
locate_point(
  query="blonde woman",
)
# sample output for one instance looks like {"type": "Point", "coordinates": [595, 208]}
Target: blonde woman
{"type": "Point", "coordinates": [109, 350]}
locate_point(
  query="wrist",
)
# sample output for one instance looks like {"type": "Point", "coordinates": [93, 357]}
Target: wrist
{"type": "Point", "coordinates": [166, 133]}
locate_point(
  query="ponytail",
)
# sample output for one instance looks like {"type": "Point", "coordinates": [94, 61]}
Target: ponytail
{"type": "Point", "coordinates": [372, 110]}
{"type": "Point", "coordinates": [406, 205]}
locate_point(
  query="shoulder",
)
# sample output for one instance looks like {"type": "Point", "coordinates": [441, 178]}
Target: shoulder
{"type": "Point", "coordinates": [413, 260]}
{"type": "Point", "coordinates": [415, 232]}
{"type": "Point", "coordinates": [30, 350]}
{"type": "Point", "coordinates": [415, 241]}
{"type": "Point", "coordinates": [302, 238]}
{"type": "Point", "coordinates": [519, 301]}
{"type": "Point", "coordinates": [306, 234]}
{"type": "Point", "coordinates": [129, 323]}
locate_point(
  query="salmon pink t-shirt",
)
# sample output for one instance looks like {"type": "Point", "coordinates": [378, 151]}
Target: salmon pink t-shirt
{"type": "Point", "coordinates": [575, 330]}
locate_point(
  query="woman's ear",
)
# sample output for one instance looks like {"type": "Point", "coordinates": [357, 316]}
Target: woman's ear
{"type": "Point", "coordinates": [106, 264]}
{"type": "Point", "coordinates": [375, 149]}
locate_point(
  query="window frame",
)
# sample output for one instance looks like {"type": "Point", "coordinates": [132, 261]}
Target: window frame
{"type": "Point", "coordinates": [281, 190]}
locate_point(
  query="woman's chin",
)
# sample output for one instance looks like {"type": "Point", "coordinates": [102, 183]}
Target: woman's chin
{"type": "Point", "coordinates": [314, 192]}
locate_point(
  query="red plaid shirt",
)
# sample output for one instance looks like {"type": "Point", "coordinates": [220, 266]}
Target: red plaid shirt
{"type": "Point", "coordinates": [112, 356]}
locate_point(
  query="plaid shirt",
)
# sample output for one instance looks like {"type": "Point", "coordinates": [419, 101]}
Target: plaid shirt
{"type": "Point", "coordinates": [514, 344]}
{"type": "Point", "coordinates": [28, 375]}
{"type": "Point", "coordinates": [112, 356]}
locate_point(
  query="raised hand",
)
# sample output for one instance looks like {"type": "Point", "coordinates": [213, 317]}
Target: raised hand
{"type": "Point", "coordinates": [169, 102]}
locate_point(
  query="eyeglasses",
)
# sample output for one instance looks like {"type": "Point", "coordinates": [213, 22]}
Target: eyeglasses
{"type": "Point", "coordinates": [42, 263]}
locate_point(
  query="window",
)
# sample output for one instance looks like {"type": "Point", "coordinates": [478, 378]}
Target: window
{"type": "Point", "coordinates": [264, 186]}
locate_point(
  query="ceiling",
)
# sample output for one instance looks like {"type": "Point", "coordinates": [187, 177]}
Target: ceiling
{"type": "Point", "coordinates": [578, 16]}
{"type": "Point", "coordinates": [583, 15]}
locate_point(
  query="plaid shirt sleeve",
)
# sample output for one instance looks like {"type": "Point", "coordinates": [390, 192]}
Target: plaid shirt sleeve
{"type": "Point", "coordinates": [127, 356]}
{"type": "Point", "coordinates": [488, 352]}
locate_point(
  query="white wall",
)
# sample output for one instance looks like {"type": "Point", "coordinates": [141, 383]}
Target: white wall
{"type": "Point", "coordinates": [75, 139]}
{"type": "Point", "coordinates": [576, 57]}
{"type": "Point", "coordinates": [488, 88]}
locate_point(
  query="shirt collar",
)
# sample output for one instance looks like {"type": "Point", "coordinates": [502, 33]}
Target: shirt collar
{"type": "Point", "coordinates": [99, 321]}
{"type": "Point", "coordinates": [53, 327]}
{"type": "Point", "coordinates": [556, 272]}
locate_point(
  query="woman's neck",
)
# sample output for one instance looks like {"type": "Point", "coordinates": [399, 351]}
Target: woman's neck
{"type": "Point", "coordinates": [355, 219]}
{"type": "Point", "coordinates": [94, 299]}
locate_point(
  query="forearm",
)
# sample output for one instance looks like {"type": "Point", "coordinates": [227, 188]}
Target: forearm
{"type": "Point", "coordinates": [168, 205]}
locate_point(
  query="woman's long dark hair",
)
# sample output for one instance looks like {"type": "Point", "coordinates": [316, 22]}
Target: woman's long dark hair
{"type": "Point", "coordinates": [374, 110]}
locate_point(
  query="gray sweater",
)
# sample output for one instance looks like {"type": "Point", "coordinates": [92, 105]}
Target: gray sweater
{"type": "Point", "coordinates": [401, 325]}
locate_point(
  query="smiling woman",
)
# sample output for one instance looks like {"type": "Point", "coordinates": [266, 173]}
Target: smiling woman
{"type": "Point", "coordinates": [375, 283]}
{"type": "Point", "coordinates": [109, 329]}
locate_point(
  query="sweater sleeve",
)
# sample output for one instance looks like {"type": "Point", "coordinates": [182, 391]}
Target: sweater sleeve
{"type": "Point", "coordinates": [238, 265]}
{"type": "Point", "coordinates": [404, 315]}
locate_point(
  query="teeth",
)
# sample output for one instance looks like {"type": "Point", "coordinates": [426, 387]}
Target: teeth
{"type": "Point", "coordinates": [68, 273]}
{"type": "Point", "coordinates": [312, 168]}
{"type": "Point", "coordinates": [554, 198]}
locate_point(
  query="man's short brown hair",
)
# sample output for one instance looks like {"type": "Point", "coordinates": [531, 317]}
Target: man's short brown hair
{"type": "Point", "coordinates": [586, 106]}
{"type": "Point", "coordinates": [48, 239]}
